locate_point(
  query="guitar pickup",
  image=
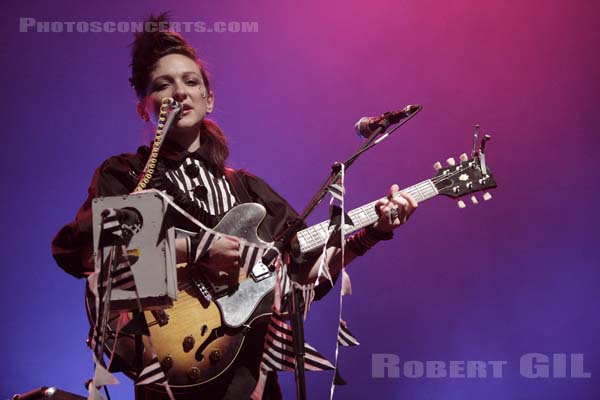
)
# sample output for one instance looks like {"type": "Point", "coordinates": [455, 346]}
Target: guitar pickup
{"type": "Point", "coordinates": [260, 271]}
{"type": "Point", "coordinates": [205, 295]}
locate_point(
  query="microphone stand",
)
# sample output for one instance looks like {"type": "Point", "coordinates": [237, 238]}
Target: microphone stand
{"type": "Point", "coordinates": [283, 244]}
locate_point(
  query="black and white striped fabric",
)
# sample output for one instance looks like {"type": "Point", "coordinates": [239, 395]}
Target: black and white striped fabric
{"type": "Point", "coordinates": [122, 276]}
{"type": "Point", "coordinates": [110, 223]}
{"type": "Point", "coordinates": [279, 350]}
{"type": "Point", "coordinates": [153, 373]}
{"type": "Point", "coordinates": [216, 198]}
{"type": "Point", "coordinates": [337, 191]}
{"type": "Point", "coordinates": [250, 255]}
{"type": "Point", "coordinates": [345, 337]}
{"type": "Point", "coordinates": [198, 245]}
{"type": "Point", "coordinates": [111, 229]}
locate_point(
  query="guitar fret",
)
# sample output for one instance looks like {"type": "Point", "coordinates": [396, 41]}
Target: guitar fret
{"type": "Point", "coordinates": [415, 192]}
{"type": "Point", "coordinates": [321, 231]}
{"type": "Point", "coordinates": [311, 238]}
{"type": "Point", "coordinates": [426, 192]}
{"type": "Point", "coordinates": [432, 187]}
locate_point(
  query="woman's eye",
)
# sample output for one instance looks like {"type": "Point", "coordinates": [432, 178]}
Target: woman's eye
{"type": "Point", "coordinates": [160, 86]}
{"type": "Point", "coordinates": [192, 82]}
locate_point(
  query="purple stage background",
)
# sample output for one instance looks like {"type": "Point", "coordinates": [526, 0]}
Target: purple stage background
{"type": "Point", "coordinates": [515, 275]}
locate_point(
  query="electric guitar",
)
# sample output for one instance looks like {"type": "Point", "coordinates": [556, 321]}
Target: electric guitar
{"type": "Point", "coordinates": [199, 338]}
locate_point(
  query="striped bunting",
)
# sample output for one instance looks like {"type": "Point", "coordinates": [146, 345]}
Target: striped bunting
{"type": "Point", "coordinates": [102, 377]}
{"type": "Point", "coordinates": [111, 231]}
{"type": "Point", "coordinates": [284, 284]}
{"type": "Point", "coordinates": [345, 337]}
{"type": "Point", "coordinates": [279, 350]}
{"type": "Point", "coordinates": [337, 191]}
{"type": "Point", "coordinates": [200, 244]}
{"type": "Point", "coordinates": [121, 274]}
{"type": "Point", "coordinates": [153, 373]}
{"type": "Point", "coordinates": [250, 255]}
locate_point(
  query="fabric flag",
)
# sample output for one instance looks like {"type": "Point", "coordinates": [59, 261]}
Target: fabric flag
{"type": "Point", "coordinates": [118, 226]}
{"type": "Point", "coordinates": [137, 325]}
{"type": "Point", "coordinates": [110, 229]}
{"type": "Point", "coordinates": [346, 284]}
{"type": "Point", "coordinates": [250, 254]}
{"type": "Point", "coordinates": [102, 377]}
{"type": "Point", "coordinates": [337, 191]}
{"type": "Point", "coordinates": [337, 379]}
{"type": "Point", "coordinates": [345, 337]}
{"type": "Point", "coordinates": [279, 350]}
{"type": "Point", "coordinates": [122, 276]}
{"type": "Point", "coordinates": [121, 273]}
{"type": "Point", "coordinates": [94, 393]}
{"type": "Point", "coordinates": [198, 245]}
{"type": "Point", "coordinates": [153, 373]}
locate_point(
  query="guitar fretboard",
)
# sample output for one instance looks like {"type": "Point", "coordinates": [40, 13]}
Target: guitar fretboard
{"type": "Point", "coordinates": [315, 236]}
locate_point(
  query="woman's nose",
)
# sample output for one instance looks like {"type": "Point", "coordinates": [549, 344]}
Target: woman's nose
{"type": "Point", "coordinates": [179, 92]}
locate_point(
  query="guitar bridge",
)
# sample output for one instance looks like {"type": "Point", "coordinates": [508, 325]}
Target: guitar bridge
{"type": "Point", "coordinates": [260, 271]}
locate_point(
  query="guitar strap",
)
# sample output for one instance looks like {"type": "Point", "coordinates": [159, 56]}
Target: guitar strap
{"type": "Point", "coordinates": [241, 194]}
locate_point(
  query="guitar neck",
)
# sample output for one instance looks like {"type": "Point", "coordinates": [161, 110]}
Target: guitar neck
{"type": "Point", "coordinates": [314, 237]}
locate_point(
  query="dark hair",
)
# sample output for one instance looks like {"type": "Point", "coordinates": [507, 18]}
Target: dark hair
{"type": "Point", "coordinates": [150, 46]}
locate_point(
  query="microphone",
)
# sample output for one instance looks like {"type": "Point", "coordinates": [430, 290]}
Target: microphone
{"type": "Point", "coordinates": [119, 225]}
{"type": "Point", "coordinates": [125, 216]}
{"type": "Point", "coordinates": [367, 125]}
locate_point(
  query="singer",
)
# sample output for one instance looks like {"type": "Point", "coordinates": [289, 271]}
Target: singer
{"type": "Point", "coordinates": [192, 169]}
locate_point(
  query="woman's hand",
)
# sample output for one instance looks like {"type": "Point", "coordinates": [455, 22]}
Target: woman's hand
{"type": "Point", "coordinates": [224, 256]}
{"type": "Point", "coordinates": [394, 210]}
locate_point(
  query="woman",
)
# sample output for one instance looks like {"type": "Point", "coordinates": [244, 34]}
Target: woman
{"type": "Point", "coordinates": [191, 168]}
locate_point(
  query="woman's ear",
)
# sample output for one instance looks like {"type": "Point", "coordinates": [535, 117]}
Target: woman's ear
{"type": "Point", "coordinates": [141, 109]}
{"type": "Point", "coordinates": [210, 102]}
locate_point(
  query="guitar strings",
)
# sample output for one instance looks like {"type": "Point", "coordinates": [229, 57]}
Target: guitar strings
{"type": "Point", "coordinates": [367, 208]}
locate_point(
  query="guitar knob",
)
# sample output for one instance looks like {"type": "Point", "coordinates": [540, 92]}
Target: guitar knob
{"type": "Point", "coordinates": [463, 157]}
{"type": "Point", "coordinates": [437, 166]}
{"type": "Point", "coordinates": [188, 343]}
{"type": "Point", "coordinates": [451, 161]}
{"type": "Point", "coordinates": [215, 355]}
{"type": "Point", "coordinates": [166, 363]}
{"type": "Point", "coordinates": [461, 204]}
{"type": "Point", "coordinates": [487, 196]}
{"type": "Point", "coordinates": [194, 373]}
{"type": "Point", "coordinates": [474, 200]}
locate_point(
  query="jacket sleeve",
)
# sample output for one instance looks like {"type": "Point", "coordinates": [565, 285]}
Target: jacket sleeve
{"type": "Point", "coordinates": [72, 245]}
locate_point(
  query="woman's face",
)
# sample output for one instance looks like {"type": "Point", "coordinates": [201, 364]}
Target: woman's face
{"type": "Point", "coordinates": [179, 77]}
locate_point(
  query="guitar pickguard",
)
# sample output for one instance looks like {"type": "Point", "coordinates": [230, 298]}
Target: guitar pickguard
{"type": "Point", "coordinates": [238, 307]}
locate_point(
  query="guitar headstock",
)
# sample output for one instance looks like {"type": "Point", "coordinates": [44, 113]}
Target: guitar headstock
{"type": "Point", "coordinates": [471, 175]}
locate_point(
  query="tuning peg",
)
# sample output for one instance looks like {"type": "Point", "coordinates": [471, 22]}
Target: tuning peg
{"type": "Point", "coordinates": [487, 196]}
{"type": "Point", "coordinates": [463, 157]}
{"type": "Point", "coordinates": [475, 138]}
{"type": "Point", "coordinates": [461, 204]}
{"type": "Point", "coordinates": [474, 200]}
{"type": "Point", "coordinates": [451, 161]}
{"type": "Point", "coordinates": [485, 139]}
{"type": "Point", "coordinates": [437, 166]}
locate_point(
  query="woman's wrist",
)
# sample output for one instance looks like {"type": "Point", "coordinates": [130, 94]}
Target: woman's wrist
{"type": "Point", "coordinates": [366, 238]}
